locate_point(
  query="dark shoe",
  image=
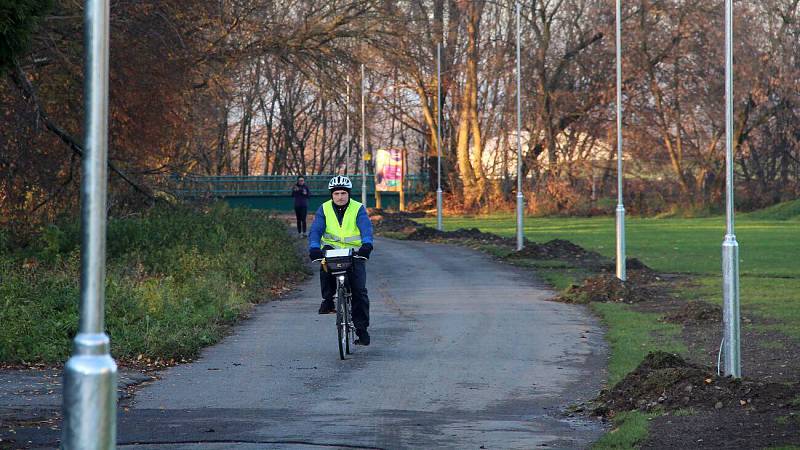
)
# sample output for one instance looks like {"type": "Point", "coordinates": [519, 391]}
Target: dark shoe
{"type": "Point", "coordinates": [327, 307]}
{"type": "Point", "coordinates": [363, 337]}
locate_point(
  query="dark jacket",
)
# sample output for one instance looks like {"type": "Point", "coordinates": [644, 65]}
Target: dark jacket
{"type": "Point", "coordinates": [300, 194]}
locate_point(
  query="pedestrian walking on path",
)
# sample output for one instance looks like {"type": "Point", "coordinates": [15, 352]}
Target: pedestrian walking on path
{"type": "Point", "coordinates": [301, 193]}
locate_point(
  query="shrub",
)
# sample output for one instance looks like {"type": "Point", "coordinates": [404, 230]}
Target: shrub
{"type": "Point", "coordinates": [176, 279]}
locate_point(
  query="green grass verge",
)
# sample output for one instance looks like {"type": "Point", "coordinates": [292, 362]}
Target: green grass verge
{"type": "Point", "coordinates": [631, 335]}
{"type": "Point", "coordinates": [630, 429]}
{"type": "Point", "coordinates": [176, 279]}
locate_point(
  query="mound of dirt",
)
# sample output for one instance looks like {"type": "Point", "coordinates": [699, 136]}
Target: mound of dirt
{"type": "Point", "coordinates": [373, 212]}
{"type": "Point", "coordinates": [608, 288]}
{"type": "Point", "coordinates": [393, 223]}
{"type": "Point", "coordinates": [635, 264]}
{"type": "Point", "coordinates": [695, 312]}
{"type": "Point", "coordinates": [555, 249]}
{"type": "Point", "coordinates": [568, 251]}
{"type": "Point", "coordinates": [425, 234]}
{"type": "Point", "coordinates": [471, 234]}
{"type": "Point", "coordinates": [666, 381]}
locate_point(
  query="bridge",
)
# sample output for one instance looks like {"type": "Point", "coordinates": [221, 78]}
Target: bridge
{"type": "Point", "coordinates": [274, 192]}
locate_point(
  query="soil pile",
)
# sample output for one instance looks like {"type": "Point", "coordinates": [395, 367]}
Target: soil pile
{"type": "Point", "coordinates": [471, 234]}
{"type": "Point", "coordinates": [579, 256]}
{"type": "Point", "coordinates": [635, 264]}
{"type": "Point", "coordinates": [374, 212]}
{"type": "Point", "coordinates": [608, 288]}
{"type": "Point", "coordinates": [393, 223]}
{"type": "Point", "coordinates": [666, 381]}
{"type": "Point", "coordinates": [695, 312]}
{"type": "Point", "coordinates": [555, 249]}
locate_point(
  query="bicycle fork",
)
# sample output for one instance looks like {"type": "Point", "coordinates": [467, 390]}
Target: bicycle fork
{"type": "Point", "coordinates": [345, 320]}
{"type": "Point", "coordinates": [340, 289]}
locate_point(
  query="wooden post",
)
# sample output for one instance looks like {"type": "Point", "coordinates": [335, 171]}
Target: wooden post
{"type": "Point", "coordinates": [377, 199]}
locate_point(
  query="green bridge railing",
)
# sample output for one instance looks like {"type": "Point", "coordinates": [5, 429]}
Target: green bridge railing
{"type": "Point", "coordinates": [277, 185]}
{"type": "Point", "coordinates": [274, 191]}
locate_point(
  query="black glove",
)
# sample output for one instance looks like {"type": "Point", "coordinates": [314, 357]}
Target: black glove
{"type": "Point", "coordinates": [315, 253]}
{"type": "Point", "coordinates": [365, 250]}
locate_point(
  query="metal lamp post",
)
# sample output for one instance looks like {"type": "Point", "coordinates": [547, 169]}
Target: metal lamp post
{"type": "Point", "coordinates": [90, 375]}
{"type": "Point", "coordinates": [363, 140]}
{"type": "Point", "coordinates": [439, 137]}
{"type": "Point", "coordinates": [347, 128]}
{"type": "Point", "coordinates": [730, 248]}
{"type": "Point", "coordinates": [620, 207]}
{"type": "Point", "coordinates": [520, 198]}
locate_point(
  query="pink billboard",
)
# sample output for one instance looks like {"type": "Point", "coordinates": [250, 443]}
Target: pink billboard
{"type": "Point", "coordinates": [389, 170]}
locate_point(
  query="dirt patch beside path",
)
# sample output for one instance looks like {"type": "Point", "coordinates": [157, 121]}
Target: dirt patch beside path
{"type": "Point", "coordinates": [640, 286]}
{"type": "Point", "coordinates": [695, 312]}
{"type": "Point", "coordinates": [711, 411]}
{"type": "Point", "coordinates": [462, 234]}
{"type": "Point", "coordinates": [666, 382]}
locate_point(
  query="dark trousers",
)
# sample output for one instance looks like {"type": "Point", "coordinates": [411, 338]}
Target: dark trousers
{"type": "Point", "coordinates": [357, 279]}
{"type": "Point", "coordinates": [301, 212]}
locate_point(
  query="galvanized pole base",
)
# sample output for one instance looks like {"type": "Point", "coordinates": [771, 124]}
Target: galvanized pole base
{"type": "Point", "coordinates": [439, 209]}
{"type": "Point", "coordinates": [621, 242]}
{"type": "Point", "coordinates": [90, 375]}
{"type": "Point", "coordinates": [520, 210]}
{"type": "Point", "coordinates": [730, 312]}
{"type": "Point", "coordinates": [730, 248]}
{"type": "Point", "coordinates": [90, 398]}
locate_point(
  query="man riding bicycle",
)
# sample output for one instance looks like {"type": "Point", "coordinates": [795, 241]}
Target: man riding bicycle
{"type": "Point", "coordinates": [343, 223]}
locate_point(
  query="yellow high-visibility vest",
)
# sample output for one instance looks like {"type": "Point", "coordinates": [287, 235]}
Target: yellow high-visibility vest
{"type": "Point", "coordinates": [346, 235]}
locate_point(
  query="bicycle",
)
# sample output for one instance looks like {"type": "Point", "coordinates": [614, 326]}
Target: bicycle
{"type": "Point", "coordinates": [337, 262]}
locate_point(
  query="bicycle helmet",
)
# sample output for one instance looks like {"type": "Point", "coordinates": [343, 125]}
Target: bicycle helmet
{"type": "Point", "coordinates": [340, 182]}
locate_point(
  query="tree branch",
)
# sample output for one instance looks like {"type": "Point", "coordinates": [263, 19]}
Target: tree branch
{"type": "Point", "coordinates": [20, 79]}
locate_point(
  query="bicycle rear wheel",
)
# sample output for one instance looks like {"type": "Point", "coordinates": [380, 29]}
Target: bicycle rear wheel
{"type": "Point", "coordinates": [341, 320]}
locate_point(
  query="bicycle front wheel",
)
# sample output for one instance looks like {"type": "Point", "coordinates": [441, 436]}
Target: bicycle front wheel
{"type": "Point", "coordinates": [341, 321]}
{"type": "Point", "coordinates": [348, 330]}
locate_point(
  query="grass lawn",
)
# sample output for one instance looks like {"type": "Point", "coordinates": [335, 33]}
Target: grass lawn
{"type": "Point", "coordinates": [769, 253]}
{"type": "Point", "coordinates": [766, 247]}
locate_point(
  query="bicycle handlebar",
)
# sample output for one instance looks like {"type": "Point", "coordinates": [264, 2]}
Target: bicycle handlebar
{"type": "Point", "coordinates": [354, 256]}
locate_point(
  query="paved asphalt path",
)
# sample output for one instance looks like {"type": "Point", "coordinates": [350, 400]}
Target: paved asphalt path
{"type": "Point", "coordinates": [466, 353]}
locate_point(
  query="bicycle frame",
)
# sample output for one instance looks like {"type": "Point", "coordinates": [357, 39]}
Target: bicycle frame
{"type": "Point", "coordinates": [344, 318]}
{"type": "Point", "coordinates": [342, 260]}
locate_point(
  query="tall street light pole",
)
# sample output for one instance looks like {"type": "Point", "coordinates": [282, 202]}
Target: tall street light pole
{"type": "Point", "coordinates": [347, 128]}
{"type": "Point", "coordinates": [520, 198]}
{"type": "Point", "coordinates": [620, 207]}
{"type": "Point", "coordinates": [363, 139]}
{"type": "Point", "coordinates": [439, 137]}
{"type": "Point", "coordinates": [90, 375]}
{"type": "Point", "coordinates": [730, 248]}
